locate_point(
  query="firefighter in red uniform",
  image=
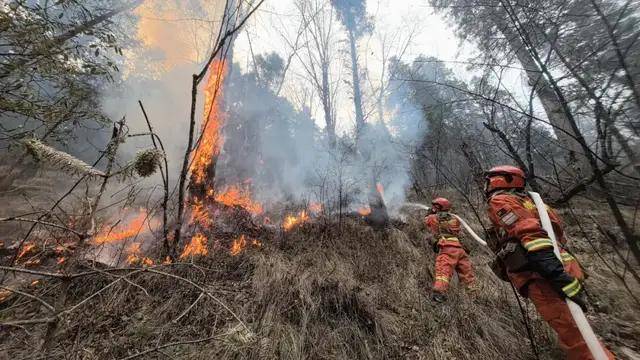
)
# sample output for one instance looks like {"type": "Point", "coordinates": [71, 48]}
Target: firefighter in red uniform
{"type": "Point", "coordinates": [525, 256]}
{"type": "Point", "coordinates": [452, 255]}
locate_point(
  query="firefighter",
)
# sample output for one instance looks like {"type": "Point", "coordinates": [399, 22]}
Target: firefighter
{"type": "Point", "coordinates": [525, 256]}
{"type": "Point", "coordinates": [452, 256]}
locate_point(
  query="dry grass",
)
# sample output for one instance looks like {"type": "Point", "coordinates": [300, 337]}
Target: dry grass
{"type": "Point", "coordinates": [322, 291]}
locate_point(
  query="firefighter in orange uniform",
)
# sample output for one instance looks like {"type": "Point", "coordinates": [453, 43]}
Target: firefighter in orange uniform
{"type": "Point", "coordinates": [525, 256]}
{"type": "Point", "coordinates": [452, 255]}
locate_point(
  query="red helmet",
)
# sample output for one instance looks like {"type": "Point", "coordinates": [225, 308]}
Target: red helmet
{"type": "Point", "coordinates": [442, 204]}
{"type": "Point", "coordinates": [504, 177]}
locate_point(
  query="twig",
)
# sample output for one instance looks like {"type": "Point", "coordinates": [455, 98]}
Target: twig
{"type": "Point", "coordinates": [188, 309]}
{"type": "Point", "coordinates": [32, 272]}
{"type": "Point", "coordinates": [165, 179]}
{"type": "Point", "coordinates": [46, 304]}
{"type": "Point", "coordinates": [203, 291]}
{"type": "Point", "coordinates": [171, 344]}
{"type": "Point", "coordinates": [45, 223]}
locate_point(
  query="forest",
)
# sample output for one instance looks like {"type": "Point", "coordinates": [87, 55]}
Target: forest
{"type": "Point", "coordinates": [260, 179]}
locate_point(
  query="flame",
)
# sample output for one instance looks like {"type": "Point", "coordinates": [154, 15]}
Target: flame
{"type": "Point", "coordinates": [61, 260]}
{"type": "Point", "coordinates": [4, 294]}
{"type": "Point", "coordinates": [291, 220]}
{"type": "Point", "coordinates": [167, 261]}
{"type": "Point", "coordinates": [35, 282]}
{"type": "Point", "coordinates": [238, 245]}
{"type": "Point", "coordinates": [380, 189]}
{"type": "Point", "coordinates": [364, 211]}
{"type": "Point", "coordinates": [315, 207]}
{"type": "Point", "coordinates": [211, 141]}
{"type": "Point", "coordinates": [200, 214]}
{"type": "Point", "coordinates": [25, 250]}
{"type": "Point", "coordinates": [133, 228]}
{"type": "Point", "coordinates": [234, 195]}
{"type": "Point", "coordinates": [134, 255]}
{"type": "Point", "coordinates": [133, 252]}
{"type": "Point", "coordinates": [197, 246]}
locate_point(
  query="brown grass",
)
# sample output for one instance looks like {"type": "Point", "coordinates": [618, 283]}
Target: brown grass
{"type": "Point", "coordinates": [322, 291]}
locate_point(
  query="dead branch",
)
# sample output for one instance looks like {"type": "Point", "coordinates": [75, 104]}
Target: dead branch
{"type": "Point", "coordinates": [41, 301]}
{"type": "Point", "coordinates": [580, 187]}
{"type": "Point", "coordinates": [203, 290]}
{"type": "Point", "coordinates": [45, 223]}
{"type": "Point", "coordinates": [165, 179]}
{"type": "Point", "coordinates": [188, 309]}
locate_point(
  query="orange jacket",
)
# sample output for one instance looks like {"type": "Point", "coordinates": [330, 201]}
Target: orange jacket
{"type": "Point", "coordinates": [515, 216]}
{"type": "Point", "coordinates": [445, 228]}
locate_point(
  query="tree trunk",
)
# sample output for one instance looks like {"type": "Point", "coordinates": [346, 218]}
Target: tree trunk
{"type": "Point", "coordinates": [357, 92]}
{"type": "Point", "coordinates": [550, 102]}
{"type": "Point", "coordinates": [326, 106]}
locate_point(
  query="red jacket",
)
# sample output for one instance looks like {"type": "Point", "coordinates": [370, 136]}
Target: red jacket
{"type": "Point", "coordinates": [445, 228]}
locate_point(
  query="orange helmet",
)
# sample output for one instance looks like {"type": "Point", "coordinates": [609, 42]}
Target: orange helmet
{"type": "Point", "coordinates": [504, 177]}
{"type": "Point", "coordinates": [442, 204]}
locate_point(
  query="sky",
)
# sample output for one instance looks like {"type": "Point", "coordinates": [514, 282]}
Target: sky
{"type": "Point", "coordinates": [174, 43]}
{"type": "Point", "coordinates": [430, 35]}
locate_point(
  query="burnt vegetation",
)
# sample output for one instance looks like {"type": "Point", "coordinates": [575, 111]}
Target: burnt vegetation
{"type": "Point", "coordinates": [267, 205]}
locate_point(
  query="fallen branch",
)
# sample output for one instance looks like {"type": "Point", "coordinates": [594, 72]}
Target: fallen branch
{"type": "Point", "coordinates": [46, 304]}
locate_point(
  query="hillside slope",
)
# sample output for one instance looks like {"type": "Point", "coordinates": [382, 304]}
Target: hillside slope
{"type": "Point", "coordinates": [320, 291]}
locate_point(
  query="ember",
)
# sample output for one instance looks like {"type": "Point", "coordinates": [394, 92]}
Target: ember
{"type": "Point", "coordinates": [26, 249]}
{"type": "Point", "coordinates": [364, 211]}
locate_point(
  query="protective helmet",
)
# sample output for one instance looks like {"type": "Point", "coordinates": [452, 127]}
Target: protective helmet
{"type": "Point", "coordinates": [441, 204]}
{"type": "Point", "coordinates": [504, 177]}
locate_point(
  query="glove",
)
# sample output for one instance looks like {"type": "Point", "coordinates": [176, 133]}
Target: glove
{"type": "Point", "coordinates": [581, 300]}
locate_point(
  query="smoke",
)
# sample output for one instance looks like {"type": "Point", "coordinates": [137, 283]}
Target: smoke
{"type": "Point", "coordinates": [280, 151]}
{"type": "Point", "coordinates": [270, 145]}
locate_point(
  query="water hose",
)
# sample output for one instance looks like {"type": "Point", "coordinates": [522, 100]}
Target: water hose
{"type": "Point", "coordinates": [464, 223]}
{"type": "Point", "coordinates": [470, 230]}
{"type": "Point", "coordinates": [580, 319]}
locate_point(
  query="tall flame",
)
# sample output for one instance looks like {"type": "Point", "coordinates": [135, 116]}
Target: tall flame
{"type": "Point", "coordinates": [211, 141]}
